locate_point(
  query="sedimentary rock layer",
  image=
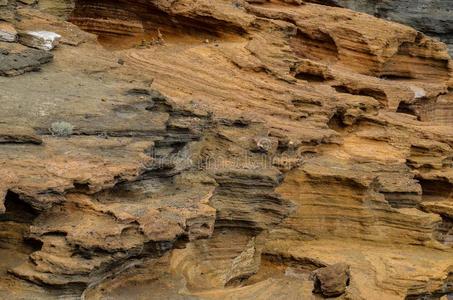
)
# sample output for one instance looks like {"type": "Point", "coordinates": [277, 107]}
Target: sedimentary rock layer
{"type": "Point", "coordinates": [433, 17]}
{"type": "Point", "coordinates": [227, 150]}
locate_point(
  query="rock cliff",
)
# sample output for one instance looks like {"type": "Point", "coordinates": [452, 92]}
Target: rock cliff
{"type": "Point", "coordinates": [200, 149]}
{"type": "Point", "coordinates": [433, 17]}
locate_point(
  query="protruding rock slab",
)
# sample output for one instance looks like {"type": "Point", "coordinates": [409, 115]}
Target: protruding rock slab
{"type": "Point", "coordinates": [439, 207]}
{"type": "Point", "coordinates": [13, 63]}
{"type": "Point", "coordinates": [18, 135]}
{"type": "Point", "coordinates": [44, 40]}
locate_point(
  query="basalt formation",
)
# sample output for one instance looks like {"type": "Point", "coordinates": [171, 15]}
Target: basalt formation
{"type": "Point", "coordinates": [223, 150]}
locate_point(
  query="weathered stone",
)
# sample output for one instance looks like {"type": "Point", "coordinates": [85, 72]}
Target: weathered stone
{"type": "Point", "coordinates": [7, 32]}
{"type": "Point", "coordinates": [18, 135]}
{"type": "Point", "coordinates": [331, 281]}
{"type": "Point", "coordinates": [60, 8]}
{"type": "Point", "coordinates": [44, 40]}
{"type": "Point", "coordinates": [299, 136]}
{"type": "Point", "coordinates": [432, 17]}
{"type": "Point", "coordinates": [27, 60]}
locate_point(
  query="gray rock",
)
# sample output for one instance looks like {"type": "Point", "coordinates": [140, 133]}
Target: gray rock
{"type": "Point", "coordinates": [331, 281]}
{"type": "Point", "coordinates": [13, 64]}
{"type": "Point", "coordinates": [432, 17]}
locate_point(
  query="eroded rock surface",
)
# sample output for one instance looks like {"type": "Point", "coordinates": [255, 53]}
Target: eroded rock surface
{"type": "Point", "coordinates": [226, 150]}
{"type": "Point", "coordinates": [433, 17]}
{"type": "Point", "coordinates": [332, 281]}
{"type": "Point", "coordinates": [16, 60]}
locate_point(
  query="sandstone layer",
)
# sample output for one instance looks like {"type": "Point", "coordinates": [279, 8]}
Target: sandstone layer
{"type": "Point", "coordinates": [433, 17]}
{"type": "Point", "coordinates": [225, 150]}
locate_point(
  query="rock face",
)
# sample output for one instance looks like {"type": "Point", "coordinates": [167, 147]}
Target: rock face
{"type": "Point", "coordinates": [226, 150]}
{"type": "Point", "coordinates": [433, 17]}
{"type": "Point", "coordinates": [60, 8]}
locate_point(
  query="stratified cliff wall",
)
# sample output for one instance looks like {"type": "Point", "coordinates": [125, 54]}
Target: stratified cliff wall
{"type": "Point", "coordinates": [432, 17]}
{"type": "Point", "coordinates": [224, 150]}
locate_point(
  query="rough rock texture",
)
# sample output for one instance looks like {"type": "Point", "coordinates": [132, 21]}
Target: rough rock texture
{"type": "Point", "coordinates": [332, 281]}
{"type": "Point", "coordinates": [227, 150]}
{"type": "Point", "coordinates": [16, 60]}
{"type": "Point", "coordinates": [433, 17]}
{"type": "Point", "coordinates": [60, 8]}
{"type": "Point", "coordinates": [7, 32]}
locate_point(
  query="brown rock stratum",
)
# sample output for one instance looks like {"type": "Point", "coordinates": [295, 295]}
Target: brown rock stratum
{"type": "Point", "coordinates": [224, 150]}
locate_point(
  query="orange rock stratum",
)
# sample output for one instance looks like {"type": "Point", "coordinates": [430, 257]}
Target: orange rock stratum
{"type": "Point", "coordinates": [222, 149]}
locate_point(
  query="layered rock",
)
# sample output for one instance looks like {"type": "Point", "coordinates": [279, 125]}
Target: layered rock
{"type": "Point", "coordinates": [16, 60]}
{"type": "Point", "coordinates": [254, 146]}
{"type": "Point", "coordinates": [61, 8]}
{"type": "Point", "coordinates": [7, 32]}
{"type": "Point", "coordinates": [429, 16]}
{"type": "Point", "coordinates": [44, 40]}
